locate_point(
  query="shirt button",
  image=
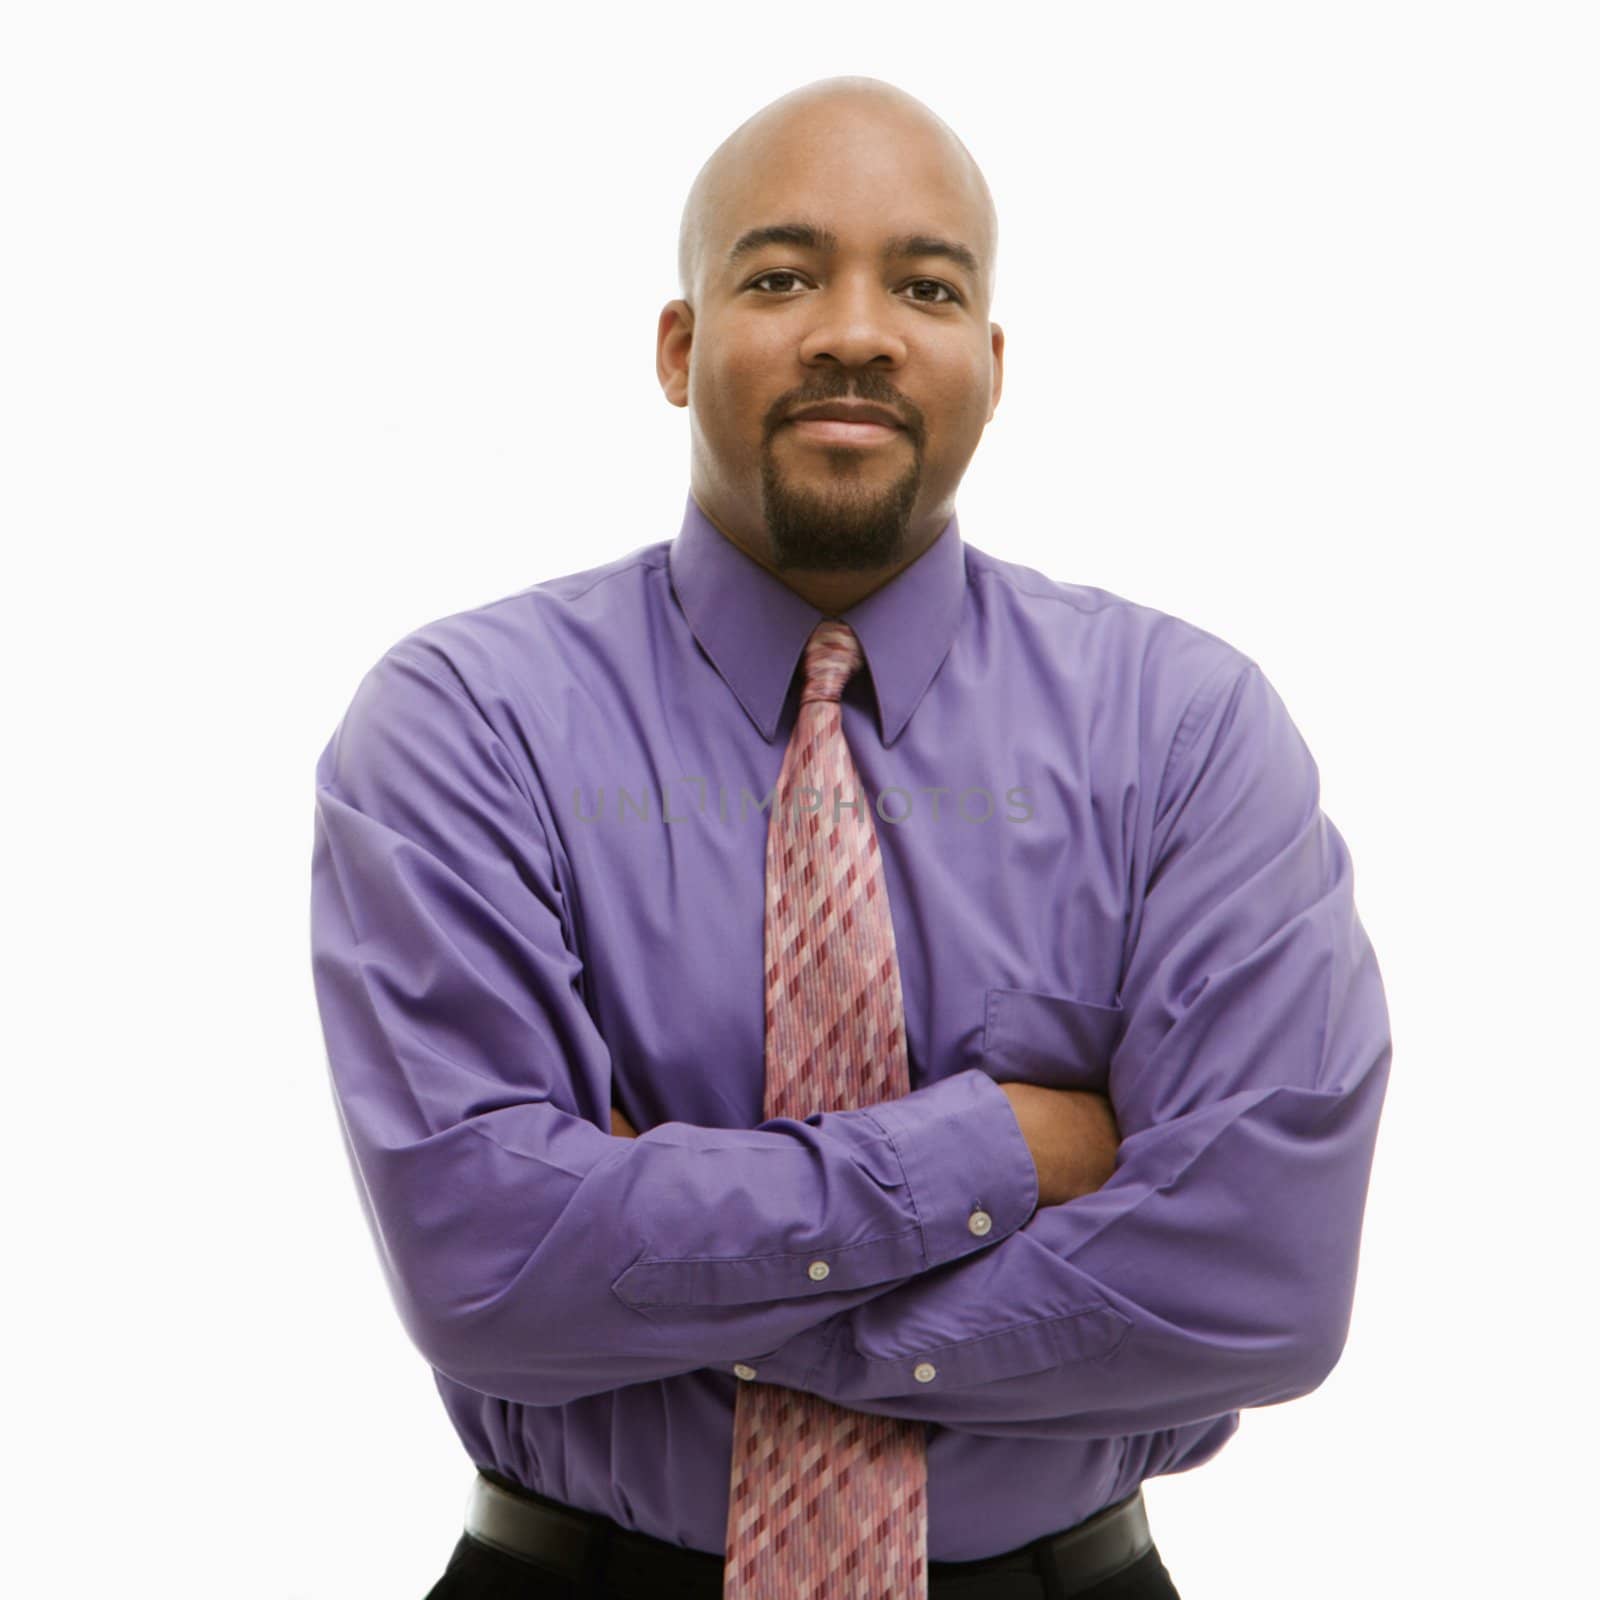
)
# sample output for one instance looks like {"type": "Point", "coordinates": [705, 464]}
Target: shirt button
{"type": "Point", "coordinates": [740, 1370]}
{"type": "Point", "coordinates": [980, 1222]}
{"type": "Point", "coordinates": [925, 1372]}
{"type": "Point", "coordinates": [818, 1270]}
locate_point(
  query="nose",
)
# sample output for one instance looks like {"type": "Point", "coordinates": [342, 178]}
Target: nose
{"type": "Point", "coordinates": [854, 322]}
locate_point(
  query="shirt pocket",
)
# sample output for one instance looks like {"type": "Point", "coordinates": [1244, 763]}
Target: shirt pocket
{"type": "Point", "coordinates": [1056, 1040]}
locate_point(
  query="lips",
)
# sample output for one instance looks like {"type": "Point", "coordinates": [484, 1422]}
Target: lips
{"type": "Point", "coordinates": [835, 430]}
{"type": "Point", "coordinates": [846, 411]}
{"type": "Point", "coordinates": [846, 422]}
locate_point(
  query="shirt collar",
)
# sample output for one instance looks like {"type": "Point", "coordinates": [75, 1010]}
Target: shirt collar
{"type": "Point", "coordinates": [754, 627]}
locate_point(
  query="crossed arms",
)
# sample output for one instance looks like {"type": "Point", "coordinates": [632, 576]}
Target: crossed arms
{"type": "Point", "coordinates": [534, 1256]}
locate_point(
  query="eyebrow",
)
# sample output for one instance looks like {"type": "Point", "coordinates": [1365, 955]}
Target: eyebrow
{"type": "Point", "coordinates": [807, 236]}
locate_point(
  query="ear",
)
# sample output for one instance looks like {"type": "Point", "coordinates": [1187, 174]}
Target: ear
{"type": "Point", "coordinates": [674, 335]}
{"type": "Point", "coordinates": [997, 344]}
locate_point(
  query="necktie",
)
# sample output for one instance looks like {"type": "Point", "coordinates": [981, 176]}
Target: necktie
{"type": "Point", "coordinates": [826, 1503]}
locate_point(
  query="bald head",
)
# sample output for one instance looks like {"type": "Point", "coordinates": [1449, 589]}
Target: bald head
{"type": "Point", "coordinates": [815, 115]}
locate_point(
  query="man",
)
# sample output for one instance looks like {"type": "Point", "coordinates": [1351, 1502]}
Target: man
{"type": "Point", "coordinates": [991, 1051]}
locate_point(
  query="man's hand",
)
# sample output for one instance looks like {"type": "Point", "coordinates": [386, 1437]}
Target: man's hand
{"type": "Point", "coordinates": [621, 1128]}
{"type": "Point", "coordinates": [1072, 1135]}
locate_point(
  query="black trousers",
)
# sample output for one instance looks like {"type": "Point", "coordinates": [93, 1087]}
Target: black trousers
{"type": "Point", "coordinates": [479, 1572]}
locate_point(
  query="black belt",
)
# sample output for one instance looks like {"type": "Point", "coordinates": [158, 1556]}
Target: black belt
{"type": "Point", "coordinates": [593, 1550]}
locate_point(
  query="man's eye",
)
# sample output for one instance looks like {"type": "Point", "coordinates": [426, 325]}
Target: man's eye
{"type": "Point", "coordinates": [933, 283]}
{"type": "Point", "coordinates": [777, 273]}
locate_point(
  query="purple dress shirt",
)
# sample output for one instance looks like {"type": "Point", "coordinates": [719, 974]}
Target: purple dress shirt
{"type": "Point", "coordinates": [538, 887]}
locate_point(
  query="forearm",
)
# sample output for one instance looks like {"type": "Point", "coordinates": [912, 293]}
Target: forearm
{"type": "Point", "coordinates": [1071, 1134]}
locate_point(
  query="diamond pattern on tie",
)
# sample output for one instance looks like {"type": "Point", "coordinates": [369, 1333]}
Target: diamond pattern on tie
{"type": "Point", "coordinates": [826, 1503]}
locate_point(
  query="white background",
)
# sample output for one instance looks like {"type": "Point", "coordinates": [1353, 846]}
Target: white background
{"type": "Point", "coordinates": [323, 320]}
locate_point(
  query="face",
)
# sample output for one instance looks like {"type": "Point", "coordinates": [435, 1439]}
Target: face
{"type": "Point", "coordinates": [865, 303]}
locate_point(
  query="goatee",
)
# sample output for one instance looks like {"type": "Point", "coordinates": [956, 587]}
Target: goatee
{"type": "Point", "coordinates": [846, 529]}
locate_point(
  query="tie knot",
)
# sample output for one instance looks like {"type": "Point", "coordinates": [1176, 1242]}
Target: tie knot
{"type": "Point", "coordinates": [832, 658]}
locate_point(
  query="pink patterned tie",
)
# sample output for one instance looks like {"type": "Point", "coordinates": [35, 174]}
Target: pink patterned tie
{"type": "Point", "coordinates": [826, 1503]}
